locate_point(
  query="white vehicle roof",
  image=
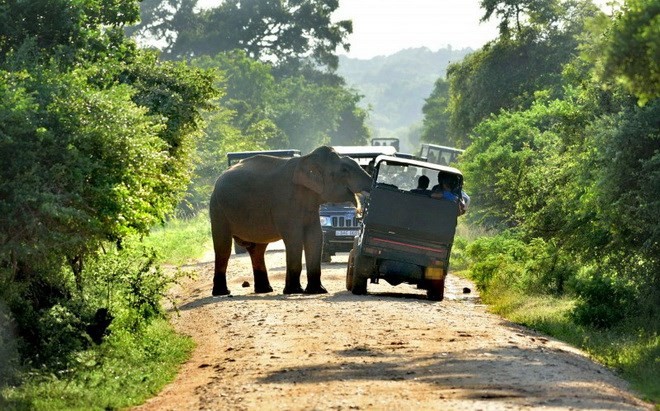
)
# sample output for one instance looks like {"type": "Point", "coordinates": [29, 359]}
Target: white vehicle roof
{"type": "Point", "coordinates": [418, 163]}
{"type": "Point", "coordinates": [365, 151]}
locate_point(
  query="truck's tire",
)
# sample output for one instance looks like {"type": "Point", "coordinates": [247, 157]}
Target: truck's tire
{"type": "Point", "coordinates": [361, 273]}
{"type": "Point", "coordinates": [350, 269]}
{"type": "Point", "coordinates": [326, 257]}
{"type": "Point", "coordinates": [436, 290]}
{"type": "Point", "coordinates": [239, 249]}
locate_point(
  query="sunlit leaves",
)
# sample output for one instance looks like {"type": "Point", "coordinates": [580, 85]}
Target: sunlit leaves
{"type": "Point", "coordinates": [68, 30]}
{"type": "Point", "coordinates": [97, 137]}
{"type": "Point", "coordinates": [633, 49]}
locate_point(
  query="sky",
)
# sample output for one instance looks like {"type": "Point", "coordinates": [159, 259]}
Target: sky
{"type": "Point", "coordinates": [383, 27]}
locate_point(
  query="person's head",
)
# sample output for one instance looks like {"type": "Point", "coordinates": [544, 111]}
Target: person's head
{"type": "Point", "coordinates": [445, 181]}
{"type": "Point", "coordinates": [423, 182]}
{"type": "Point", "coordinates": [454, 182]}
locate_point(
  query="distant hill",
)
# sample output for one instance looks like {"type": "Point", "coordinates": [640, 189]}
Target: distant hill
{"type": "Point", "coordinates": [396, 86]}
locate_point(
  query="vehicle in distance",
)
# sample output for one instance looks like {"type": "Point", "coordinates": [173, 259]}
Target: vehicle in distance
{"type": "Point", "coordinates": [444, 155]}
{"type": "Point", "coordinates": [406, 236]}
{"type": "Point", "coordinates": [386, 141]}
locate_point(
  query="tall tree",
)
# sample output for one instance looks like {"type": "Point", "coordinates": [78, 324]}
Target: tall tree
{"type": "Point", "coordinates": [506, 73]}
{"type": "Point", "coordinates": [268, 30]}
{"type": "Point", "coordinates": [518, 16]}
{"type": "Point", "coordinates": [436, 117]}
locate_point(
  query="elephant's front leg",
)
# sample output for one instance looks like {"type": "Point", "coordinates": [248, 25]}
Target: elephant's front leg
{"type": "Point", "coordinates": [261, 283]}
{"type": "Point", "coordinates": [293, 267]}
{"type": "Point", "coordinates": [313, 249]}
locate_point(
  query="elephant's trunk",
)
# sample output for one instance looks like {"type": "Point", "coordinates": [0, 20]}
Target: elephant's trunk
{"type": "Point", "coordinates": [358, 201]}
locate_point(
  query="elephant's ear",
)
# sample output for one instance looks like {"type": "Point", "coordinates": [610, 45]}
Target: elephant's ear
{"type": "Point", "coordinates": [309, 174]}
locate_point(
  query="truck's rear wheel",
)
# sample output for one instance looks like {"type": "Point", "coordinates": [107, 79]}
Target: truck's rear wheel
{"type": "Point", "coordinates": [361, 273]}
{"type": "Point", "coordinates": [436, 290]}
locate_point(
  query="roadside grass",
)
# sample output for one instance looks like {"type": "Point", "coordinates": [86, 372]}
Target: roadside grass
{"type": "Point", "coordinates": [124, 371]}
{"type": "Point", "coordinates": [129, 367]}
{"type": "Point", "coordinates": [628, 350]}
{"type": "Point", "coordinates": [180, 241]}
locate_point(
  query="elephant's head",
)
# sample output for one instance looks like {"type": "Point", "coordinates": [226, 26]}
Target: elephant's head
{"type": "Point", "coordinates": [336, 179]}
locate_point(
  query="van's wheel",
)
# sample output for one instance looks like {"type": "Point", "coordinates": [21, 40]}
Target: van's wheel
{"type": "Point", "coordinates": [349, 270]}
{"type": "Point", "coordinates": [436, 290]}
{"type": "Point", "coordinates": [361, 273]}
{"type": "Point", "coordinates": [326, 257]}
{"type": "Point", "coordinates": [239, 249]}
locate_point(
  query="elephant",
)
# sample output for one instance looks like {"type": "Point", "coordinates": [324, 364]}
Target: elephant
{"type": "Point", "coordinates": [264, 199]}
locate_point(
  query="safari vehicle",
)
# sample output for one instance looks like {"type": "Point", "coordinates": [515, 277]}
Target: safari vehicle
{"type": "Point", "coordinates": [406, 236]}
{"type": "Point", "coordinates": [444, 155]}
{"type": "Point", "coordinates": [236, 156]}
{"type": "Point", "coordinates": [386, 141]}
{"type": "Point", "coordinates": [339, 222]}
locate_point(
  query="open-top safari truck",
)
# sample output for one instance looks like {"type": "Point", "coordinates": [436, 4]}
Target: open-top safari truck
{"type": "Point", "coordinates": [406, 235]}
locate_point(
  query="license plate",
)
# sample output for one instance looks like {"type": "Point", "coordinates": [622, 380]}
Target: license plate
{"type": "Point", "coordinates": [347, 233]}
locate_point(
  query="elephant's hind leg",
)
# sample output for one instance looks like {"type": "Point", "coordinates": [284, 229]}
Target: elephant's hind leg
{"type": "Point", "coordinates": [257, 255]}
{"type": "Point", "coordinates": [222, 248]}
{"type": "Point", "coordinates": [220, 274]}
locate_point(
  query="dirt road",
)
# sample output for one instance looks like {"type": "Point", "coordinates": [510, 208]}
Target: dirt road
{"type": "Point", "coordinates": [390, 350]}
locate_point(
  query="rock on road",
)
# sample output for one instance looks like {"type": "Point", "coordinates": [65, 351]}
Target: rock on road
{"type": "Point", "coordinates": [389, 350]}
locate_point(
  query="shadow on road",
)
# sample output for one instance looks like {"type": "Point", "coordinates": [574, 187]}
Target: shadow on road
{"type": "Point", "coordinates": [500, 373]}
{"type": "Point", "coordinates": [341, 296]}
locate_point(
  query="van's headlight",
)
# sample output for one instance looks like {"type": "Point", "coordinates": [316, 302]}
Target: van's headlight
{"type": "Point", "coordinates": [326, 221]}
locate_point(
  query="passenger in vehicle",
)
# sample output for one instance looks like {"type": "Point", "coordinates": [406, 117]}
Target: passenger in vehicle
{"type": "Point", "coordinates": [370, 167]}
{"type": "Point", "coordinates": [444, 188]}
{"type": "Point", "coordinates": [422, 186]}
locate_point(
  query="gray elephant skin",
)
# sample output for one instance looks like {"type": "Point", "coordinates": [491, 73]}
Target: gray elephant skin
{"type": "Point", "coordinates": [264, 199]}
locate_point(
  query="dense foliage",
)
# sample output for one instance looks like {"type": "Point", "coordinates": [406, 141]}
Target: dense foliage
{"type": "Point", "coordinates": [97, 140]}
{"type": "Point", "coordinates": [632, 49]}
{"type": "Point", "coordinates": [436, 117]}
{"type": "Point", "coordinates": [564, 165]}
{"type": "Point", "coordinates": [537, 38]}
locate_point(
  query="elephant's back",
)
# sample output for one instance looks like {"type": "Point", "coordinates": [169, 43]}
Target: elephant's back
{"type": "Point", "coordinates": [253, 177]}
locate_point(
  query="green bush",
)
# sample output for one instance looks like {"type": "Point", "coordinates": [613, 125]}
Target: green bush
{"type": "Point", "coordinates": [56, 318]}
{"type": "Point", "coordinates": [603, 299]}
{"type": "Point", "coordinates": [137, 365]}
{"type": "Point", "coordinates": [495, 260]}
{"type": "Point", "coordinates": [130, 284]}
{"type": "Point", "coordinates": [533, 267]}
